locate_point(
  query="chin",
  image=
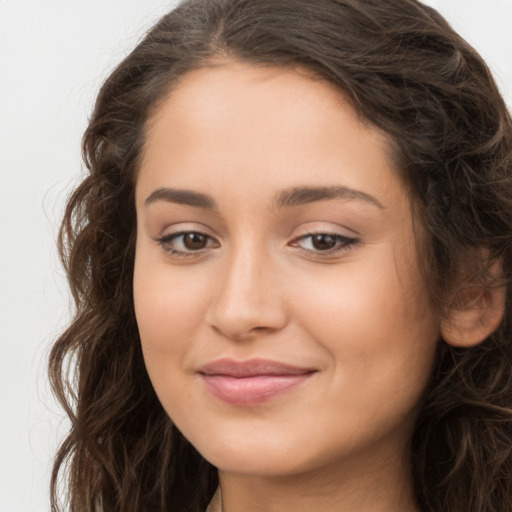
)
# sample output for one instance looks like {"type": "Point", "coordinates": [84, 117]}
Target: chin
{"type": "Point", "coordinates": [260, 464]}
{"type": "Point", "coordinates": [252, 455]}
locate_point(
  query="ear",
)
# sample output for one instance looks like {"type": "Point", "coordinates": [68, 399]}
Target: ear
{"type": "Point", "coordinates": [476, 312]}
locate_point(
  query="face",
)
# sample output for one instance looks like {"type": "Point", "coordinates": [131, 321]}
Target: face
{"type": "Point", "coordinates": [284, 321]}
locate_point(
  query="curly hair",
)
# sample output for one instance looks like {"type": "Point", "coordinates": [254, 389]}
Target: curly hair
{"type": "Point", "coordinates": [404, 70]}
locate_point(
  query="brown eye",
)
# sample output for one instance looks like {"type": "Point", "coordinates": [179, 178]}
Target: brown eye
{"type": "Point", "coordinates": [327, 243]}
{"type": "Point", "coordinates": [323, 242]}
{"type": "Point", "coordinates": [195, 241]}
{"type": "Point", "coordinates": [187, 243]}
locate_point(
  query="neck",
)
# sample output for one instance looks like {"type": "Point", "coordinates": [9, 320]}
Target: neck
{"type": "Point", "coordinates": [383, 486]}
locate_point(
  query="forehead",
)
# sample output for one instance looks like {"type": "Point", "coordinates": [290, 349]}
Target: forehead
{"type": "Point", "coordinates": [233, 122]}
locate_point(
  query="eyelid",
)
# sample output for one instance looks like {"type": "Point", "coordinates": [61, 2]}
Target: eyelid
{"type": "Point", "coordinates": [165, 240]}
{"type": "Point", "coordinates": [180, 228]}
{"type": "Point", "coordinates": [343, 242]}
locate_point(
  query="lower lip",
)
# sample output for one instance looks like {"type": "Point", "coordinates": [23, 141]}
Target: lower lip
{"type": "Point", "coordinates": [251, 390]}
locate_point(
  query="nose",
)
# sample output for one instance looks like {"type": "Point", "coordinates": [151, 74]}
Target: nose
{"type": "Point", "coordinates": [248, 299]}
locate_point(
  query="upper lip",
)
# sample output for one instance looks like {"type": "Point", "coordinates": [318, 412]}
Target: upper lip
{"type": "Point", "coordinates": [252, 368]}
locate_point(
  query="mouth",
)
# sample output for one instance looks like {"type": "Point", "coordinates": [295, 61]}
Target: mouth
{"type": "Point", "coordinates": [251, 382]}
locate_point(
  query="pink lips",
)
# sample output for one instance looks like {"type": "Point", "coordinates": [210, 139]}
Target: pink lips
{"type": "Point", "coordinates": [251, 382]}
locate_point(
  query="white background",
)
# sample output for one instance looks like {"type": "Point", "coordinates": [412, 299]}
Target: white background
{"type": "Point", "coordinates": [54, 54]}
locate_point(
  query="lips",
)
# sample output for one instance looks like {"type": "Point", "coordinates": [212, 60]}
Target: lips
{"type": "Point", "coordinates": [251, 382]}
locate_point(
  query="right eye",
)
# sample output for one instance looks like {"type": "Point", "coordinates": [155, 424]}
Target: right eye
{"type": "Point", "coordinates": [187, 243]}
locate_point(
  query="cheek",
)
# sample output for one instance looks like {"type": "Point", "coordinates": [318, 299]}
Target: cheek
{"type": "Point", "coordinates": [169, 307]}
{"type": "Point", "coordinates": [376, 322]}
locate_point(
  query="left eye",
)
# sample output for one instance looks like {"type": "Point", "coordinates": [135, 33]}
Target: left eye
{"type": "Point", "coordinates": [186, 242]}
{"type": "Point", "coordinates": [324, 242]}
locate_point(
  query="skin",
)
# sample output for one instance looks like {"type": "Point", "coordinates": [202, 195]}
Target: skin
{"type": "Point", "coordinates": [361, 316]}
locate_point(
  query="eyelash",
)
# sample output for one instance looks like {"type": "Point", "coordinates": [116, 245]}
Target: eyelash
{"type": "Point", "coordinates": [167, 239]}
{"type": "Point", "coordinates": [343, 243]}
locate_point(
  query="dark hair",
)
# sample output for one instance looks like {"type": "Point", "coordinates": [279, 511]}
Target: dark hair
{"type": "Point", "coordinates": [404, 70]}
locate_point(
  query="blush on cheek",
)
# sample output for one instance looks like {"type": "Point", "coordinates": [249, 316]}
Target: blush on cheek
{"type": "Point", "coordinates": [166, 310]}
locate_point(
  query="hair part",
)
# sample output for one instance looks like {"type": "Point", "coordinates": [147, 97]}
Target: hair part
{"type": "Point", "coordinates": [404, 70]}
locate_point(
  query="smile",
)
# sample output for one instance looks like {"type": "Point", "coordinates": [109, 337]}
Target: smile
{"type": "Point", "coordinates": [251, 382]}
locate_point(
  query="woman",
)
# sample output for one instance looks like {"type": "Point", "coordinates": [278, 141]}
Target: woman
{"type": "Point", "coordinates": [291, 261]}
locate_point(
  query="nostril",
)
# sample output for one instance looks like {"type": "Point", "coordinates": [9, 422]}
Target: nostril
{"type": "Point", "coordinates": [260, 328]}
{"type": "Point", "coordinates": [245, 306]}
{"type": "Point", "coordinates": [240, 334]}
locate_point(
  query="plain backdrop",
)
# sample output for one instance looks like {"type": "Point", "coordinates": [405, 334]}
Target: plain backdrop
{"type": "Point", "coordinates": [54, 55]}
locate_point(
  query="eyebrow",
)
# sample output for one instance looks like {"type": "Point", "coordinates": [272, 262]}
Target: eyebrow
{"type": "Point", "coordinates": [181, 196]}
{"type": "Point", "coordinates": [303, 195]}
{"type": "Point", "coordinates": [287, 198]}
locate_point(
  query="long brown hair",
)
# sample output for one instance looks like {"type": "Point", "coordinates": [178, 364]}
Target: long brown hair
{"type": "Point", "coordinates": [404, 70]}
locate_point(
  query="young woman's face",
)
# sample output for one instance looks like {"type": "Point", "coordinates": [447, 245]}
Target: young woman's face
{"type": "Point", "coordinates": [284, 320]}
